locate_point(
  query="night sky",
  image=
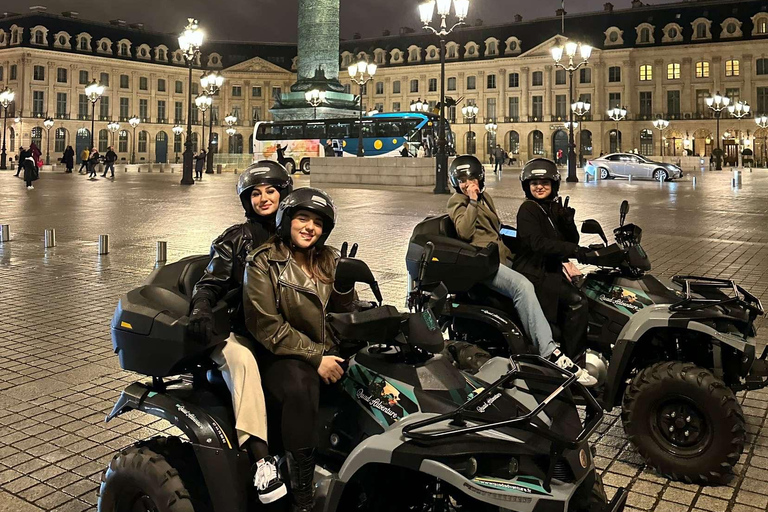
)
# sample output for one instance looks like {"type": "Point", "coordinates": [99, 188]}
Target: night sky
{"type": "Point", "coordinates": [275, 20]}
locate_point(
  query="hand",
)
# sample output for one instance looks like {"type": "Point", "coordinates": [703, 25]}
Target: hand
{"type": "Point", "coordinates": [566, 214]}
{"type": "Point", "coordinates": [473, 191]}
{"type": "Point", "coordinates": [201, 321]}
{"type": "Point", "coordinates": [329, 369]}
{"type": "Point", "coordinates": [344, 277]}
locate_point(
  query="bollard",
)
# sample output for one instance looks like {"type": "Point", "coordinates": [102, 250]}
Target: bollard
{"type": "Point", "coordinates": [219, 167]}
{"type": "Point", "coordinates": [50, 238]}
{"type": "Point", "coordinates": [162, 251]}
{"type": "Point", "coordinates": [586, 177]}
{"type": "Point", "coordinates": [630, 178]}
{"type": "Point", "coordinates": [103, 244]}
{"type": "Point", "coordinates": [736, 181]}
{"type": "Point", "coordinates": [694, 181]}
{"type": "Point", "coordinates": [5, 233]}
{"type": "Point", "coordinates": [661, 178]}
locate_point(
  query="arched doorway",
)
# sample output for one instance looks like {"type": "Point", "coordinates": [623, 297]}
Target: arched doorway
{"type": "Point", "coordinates": [702, 142]}
{"type": "Point", "coordinates": [82, 141]}
{"type": "Point", "coordinates": [585, 143]}
{"type": "Point", "coordinates": [176, 146]}
{"type": "Point", "coordinates": [490, 143]}
{"type": "Point", "coordinates": [535, 144]}
{"type": "Point", "coordinates": [513, 142]}
{"type": "Point", "coordinates": [161, 147]}
{"type": "Point", "coordinates": [673, 143]}
{"type": "Point", "coordinates": [236, 144]}
{"type": "Point", "coordinates": [560, 147]}
{"type": "Point", "coordinates": [614, 141]}
{"type": "Point", "coordinates": [103, 141]}
{"type": "Point", "coordinates": [730, 146]}
{"type": "Point", "coordinates": [60, 140]}
{"type": "Point", "coordinates": [12, 138]}
{"type": "Point", "coordinates": [469, 143]}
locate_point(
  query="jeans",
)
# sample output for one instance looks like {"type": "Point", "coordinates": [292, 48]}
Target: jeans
{"type": "Point", "coordinates": [110, 165]}
{"type": "Point", "coordinates": [515, 286]}
{"type": "Point", "coordinates": [499, 164]}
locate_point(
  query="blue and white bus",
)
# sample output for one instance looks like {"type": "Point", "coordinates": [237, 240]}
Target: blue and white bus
{"type": "Point", "coordinates": [383, 135]}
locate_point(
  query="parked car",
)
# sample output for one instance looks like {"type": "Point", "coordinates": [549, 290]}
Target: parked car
{"type": "Point", "coordinates": [628, 164]}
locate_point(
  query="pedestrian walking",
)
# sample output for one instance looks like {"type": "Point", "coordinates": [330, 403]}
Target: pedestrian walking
{"type": "Point", "coordinates": [68, 159]}
{"type": "Point", "coordinates": [30, 168]}
{"type": "Point", "coordinates": [280, 150]}
{"type": "Point", "coordinates": [199, 165]}
{"type": "Point", "coordinates": [500, 156]}
{"type": "Point", "coordinates": [109, 159]}
{"type": "Point", "coordinates": [20, 161]}
{"type": "Point", "coordinates": [404, 151]}
{"type": "Point", "coordinates": [93, 160]}
{"type": "Point", "coordinates": [328, 149]}
{"type": "Point", "coordinates": [84, 154]}
{"type": "Point", "coordinates": [420, 153]}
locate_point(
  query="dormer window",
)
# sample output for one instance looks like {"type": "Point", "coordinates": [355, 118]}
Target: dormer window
{"type": "Point", "coordinates": [491, 47]}
{"type": "Point", "coordinates": [471, 50]}
{"type": "Point", "coordinates": [452, 50]}
{"type": "Point", "coordinates": [123, 50]}
{"type": "Point", "coordinates": [672, 33]}
{"type": "Point", "coordinates": [701, 29]}
{"type": "Point", "coordinates": [39, 37]}
{"type": "Point", "coordinates": [513, 45]}
{"type": "Point", "coordinates": [613, 37]}
{"type": "Point", "coordinates": [760, 24]}
{"type": "Point", "coordinates": [731, 28]}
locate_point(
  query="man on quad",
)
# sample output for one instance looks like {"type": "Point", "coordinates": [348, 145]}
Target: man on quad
{"type": "Point", "coordinates": [260, 187]}
{"type": "Point", "coordinates": [474, 215]}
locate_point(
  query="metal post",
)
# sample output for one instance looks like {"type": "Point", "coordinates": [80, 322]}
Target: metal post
{"type": "Point", "coordinates": [694, 182]}
{"type": "Point", "coordinates": [5, 233]}
{"type": "Point", "coordinates": [186, 178]}
{"type": "Point", "coordinates": [618, 137]}
{"type": "Point", "coordinates": [48, 148]}
{"type": "Point", "coordinates": [3, 163]}
{"type": "Point", "coordinates": [736, 181]}
{"type": "Point", "coordinates": [630, 178]}
{"type": "Point", "coordinates": [469, 135]}
{"type": "Point", "coordinates": [209, 156]}
{"type": "Point", "coordinates": [202, 137]}
{"type": "Point", "coordinates": [441, 172]}
{"type": "Point", "coordinates": [162, 251]}
{"type": "Point", "coordinates": [50, 238]}
{"type": "Point", "coordinates": [133, 146]}
{"type": "Point", "coordinates": [571, 143]}
{"type": "Point", "coordinates": [360, 150]}
{"type": "Point", "coordinates": [103, 244]}
{"type": "Point", "coordinates": [719, 158]}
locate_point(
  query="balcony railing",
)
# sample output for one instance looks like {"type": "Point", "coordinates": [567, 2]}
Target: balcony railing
{"type": "Point", "coordinates": [105, 118]}
{"type": "Point", "coordinates": [62, 115]}
{"type": "Point", "coordinates": [512, 119]}
{"type": "Point", "coordinates": [162, 120]}
{"type": "Point", "coordinates": [84, 117]}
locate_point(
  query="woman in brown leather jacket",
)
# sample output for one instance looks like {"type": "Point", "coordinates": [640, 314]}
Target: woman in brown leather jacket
{"type": "Point", "coordinates": [288, 290]}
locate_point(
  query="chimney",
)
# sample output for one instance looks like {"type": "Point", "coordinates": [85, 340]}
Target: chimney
{"type": "Point", "coordinates": [608, 7]}
{"type": "Point", "coordinates": [518, 18]}
{"type": "Point", "coordinates": [560, 12]}
{"type": "Point", "coordinates": [70, 14]}
{"type": "Point", "coordinates": [137, 26]}
{"type": "Point", "coordinates": [117, 23]}
{"type": "Point", "coordinates": [636, 3]}
{"type": "Point", "coordinates": [406, 30]}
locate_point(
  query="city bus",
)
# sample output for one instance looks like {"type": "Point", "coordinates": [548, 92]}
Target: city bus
{"type": "Point", "coordinates": [383, 135]}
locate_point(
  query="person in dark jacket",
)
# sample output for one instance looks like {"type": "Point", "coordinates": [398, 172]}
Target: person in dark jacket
{"type": "Point", "coordinates": [549, 237]}
{"type": "Point", "coordinates": [200, 164]}
{"type": "Point", "coordinates": [328, 149]}
{"type": "Point", "coordinates": [260, 188]}
{"type": "Point", "coordinates": [93, 160]}
{"type": "Point", "coordinates": [30, 167]}
{"type": "Point", "coordinates": [68, 158]}
{"type": "Point", "coordinates": [280, 151]}
{"type": "Point", "coordinates": [474, 216]}
{"type": "Point", "coordinates": [20, 161]}
{"type": "Point", "coordinates": [109, 159]}
{"type": "Point", "coordinates": [290, 285]}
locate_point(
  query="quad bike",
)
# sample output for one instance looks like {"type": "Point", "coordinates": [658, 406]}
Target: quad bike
{"type": "Point", "coordinates": [670, 353]}
{"type": "Point", "coordinates": [403, 429]}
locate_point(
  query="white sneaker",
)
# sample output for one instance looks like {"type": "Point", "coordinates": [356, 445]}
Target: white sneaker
{"type": "Point", "coordinates": [267, 482]}
{"type": "Point", "coordinates": [564, 362]}
{"type": "Point", "coordinates": [30, 187]}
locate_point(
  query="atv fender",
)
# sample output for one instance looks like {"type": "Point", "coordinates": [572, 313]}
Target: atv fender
{"type": "Point", "coordinates": [492, 317]}
{"type": "Point", "coordinates": [225, 468]}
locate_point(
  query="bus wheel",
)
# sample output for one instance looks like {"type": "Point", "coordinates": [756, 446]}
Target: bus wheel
{"type": "Point", "coordinates": [290, 166]}
{"type": "Point", "coordinates": [305, 166]}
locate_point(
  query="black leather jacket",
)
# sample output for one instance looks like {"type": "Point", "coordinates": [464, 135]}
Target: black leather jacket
{"type": "Point", "coordinates": [227, 266]}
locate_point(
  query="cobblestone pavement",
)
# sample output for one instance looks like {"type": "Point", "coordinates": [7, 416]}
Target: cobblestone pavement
{"type": "Point", "coordinates": [59, 377]}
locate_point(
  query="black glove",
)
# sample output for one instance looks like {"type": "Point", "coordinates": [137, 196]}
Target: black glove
{"type": "Point", "coordinates": [565, 213]}
{"type": "Point", "coordinates": [346, 270]}
{"type": "Point", "coordinates": [201, 321]}
{"type": "Point", "coordinates": [581, 254]}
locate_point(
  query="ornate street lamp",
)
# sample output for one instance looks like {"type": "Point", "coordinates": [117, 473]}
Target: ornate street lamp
{"type": "Point", "coordinates": [419, 106]}
{"type": "Point", "coordinates": [661, 125]}
{"type": "Point", "coordinates": [717, 104]}
{"type": "Point", "coordinates": [580, 109]}
{"type": "Point", "coordinates": [361, 73]}
{"type": "Point", "coordinates": [427, 12]}
{"type": "Point", "coordinates": [617, 114]}
{"type": "Point", "coordinates": [190, 42]}
{"type": "Point", "coordinates": [177, 131]}
{"type": "Point", "coordinates": [230, 121]}
{"type": "Point", "coordinates": [48, 123]}
{"type": "Point", "coordinates": [6, 98]}
{"type": "Point", "coordinates": [470, 113]}
{"type": "Point", "coordinates": [739, 110]}
{"type": "Point", "coordinates": [113, 128]}
{"type": "Point", "coordinates": [211, 83]}
{"type": "Point", "coordinates": [134, 122]}
{"type": "Point", "coordinates": [203, 103]}
{"type": "Point", "coordinates": [93, 92]}
{"type": "Point", "coordinates": [231, 131]}
{"type": "Point", "coordinates": [571, 49]}
{"type": "Point", "coordinates": [490, 128]}
{"type": "Point", "coordinates": [315, 98]}
{"type": "Point", "coordinates": [762, 122]}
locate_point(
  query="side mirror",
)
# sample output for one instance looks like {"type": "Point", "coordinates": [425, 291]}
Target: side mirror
{"type": "Point", "coordinates": [623, 211]}
{"type": "Point", "coordinates": [592, 227]}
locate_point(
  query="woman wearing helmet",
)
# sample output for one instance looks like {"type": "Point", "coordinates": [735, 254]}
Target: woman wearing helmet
{"type": "Point", "coordinates": [474, 215]}
{"type": "Point", "coordinates": [289, 288]}
{"type": "Point", "coordinates": [260, 189]}
{"type": "Point", "coordinates": [549, 237]}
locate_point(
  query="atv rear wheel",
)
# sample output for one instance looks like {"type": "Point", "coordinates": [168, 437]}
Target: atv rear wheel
{"type": "Point", "coordinates": [684, 421]}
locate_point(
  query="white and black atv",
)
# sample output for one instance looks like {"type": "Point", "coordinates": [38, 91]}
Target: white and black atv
{"type": "Point", "coordinates": [671, 353]}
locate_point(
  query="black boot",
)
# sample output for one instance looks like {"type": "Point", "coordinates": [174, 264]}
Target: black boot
{"type": "Point", "coordinates": [301, 466]}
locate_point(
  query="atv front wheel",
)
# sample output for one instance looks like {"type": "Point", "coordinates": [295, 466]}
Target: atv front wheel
{"type": "Point", "coordinates": [139, 478]}
{"type": "Point", "coordinates": [684, 421]}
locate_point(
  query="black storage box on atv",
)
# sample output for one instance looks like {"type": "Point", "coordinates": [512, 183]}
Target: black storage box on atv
{"type": "Point", "coordinates": [149, 328]}
{"type": "Point", "coordinates": [457, 264]}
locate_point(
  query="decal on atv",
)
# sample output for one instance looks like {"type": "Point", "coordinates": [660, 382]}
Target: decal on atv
{"type": "Point", "coordinates": [384, 400]}
{"type": "Point", "coordinates": [510, 485]}
{"type": "Point", "coordinates": [627, 300]}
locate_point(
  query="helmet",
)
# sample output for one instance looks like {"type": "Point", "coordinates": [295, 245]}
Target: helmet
{"type": "Point", "coordinates": [306, 198]}
{"type": "Point", "coordinates": [263, 172]}
{"type": "Point", "coordinates": [466, 166]}
{"type": "Point", "coordinates": [540, 169]}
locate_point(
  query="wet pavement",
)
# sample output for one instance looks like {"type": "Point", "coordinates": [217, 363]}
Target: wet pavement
{"type": "Point", "coordinates": [59, 377]}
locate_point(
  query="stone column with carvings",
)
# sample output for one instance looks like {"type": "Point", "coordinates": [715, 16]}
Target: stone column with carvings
{"type": "Point", "coordinates": [548, 98]}
{"type": "Point", "coordinates": [524, 113]}
{"type": "Point", "coordinates": [687, 95]}
{"type": "Point", "coordinates": [659, 105]}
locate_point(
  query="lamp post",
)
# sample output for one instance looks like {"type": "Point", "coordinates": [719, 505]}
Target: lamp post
{"type": "Point", "coordinates": [717, 104]}
{"type": "Point", "coordinates": [113, 128]}
{"type": "Point", "coordinates": [48, 123]}
{"type": "Point", "coordinates": [134, 122]}
{"type": "Point", "coordinates": [570, 49]}
{"type": "Point", "coordinates": [93, 92]}
{"type": "Point", "coordinates": [762, 122]}
{"type": "Point", "coordinates": [189, 42]}
{"type": "Point", "coordinates": [580, 109]}
{"type": "Point", "coordinates": [361, 73]}
{"type": "Point", "coordinates": [427, 12]}
{"type": "Point", "coordinates": [230, 121]}
{"type": "Point", "coordinates": [617, 114]}
{"type": "Point", "coordinates": [470, 113]}
{"type": "Point", "coordinates": [490, 128]}
{"type": "Point", "coordinates": [203, 103]}
{"type": "Point", "coordinates": [315, 97]}
{"type": "Point", "coordinates": [211, 83]}
{"type": "Point", "coordinates": [177, 131]}
{"type": "Point", "coordinates": [739, 110]}
{"type": "Point", "coordinates": [661, 125]}
{"type": "Point", "coordinates": [6, 98]}
{"type": "Point", "coordinates": [419, 106]}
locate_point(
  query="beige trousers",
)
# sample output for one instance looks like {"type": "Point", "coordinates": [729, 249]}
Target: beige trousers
{"type": "Point", "coordinates": [237, 363]}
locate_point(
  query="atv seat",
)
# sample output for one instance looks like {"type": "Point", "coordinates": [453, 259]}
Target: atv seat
{"type": "Point", "coordinates": [192, 273]}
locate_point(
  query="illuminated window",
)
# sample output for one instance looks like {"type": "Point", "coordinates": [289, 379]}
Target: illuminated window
{"type": "Point", "coordinates": [646, 73]}
{"type": "Point", "coordinates": [732, 68]}
{"type": "Point", "coordinates": [702, 69]}
{"type": "Point", "coordinates": [673, 71]}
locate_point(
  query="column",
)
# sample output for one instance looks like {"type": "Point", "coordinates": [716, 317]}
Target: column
{"type": "Point", "coordinates": [687, 99]}
{"type": "Point", "coordinates": [660, 75]}
{"type": "Point", "coordinates": [716, 72]}
{"type": "Point", "coordinates": [746, 78]}
{"type": "Point", "coordinates": [524, 113]}
{"type": "Point", "coordinates": [548, 99]}
{"type": "Point", "coordinates": [501, 84]}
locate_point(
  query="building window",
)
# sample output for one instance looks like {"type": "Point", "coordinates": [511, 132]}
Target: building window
{"type": "Point", "coordinates": [614, 100]}
{"type": "Point", "coordinates": [256, 114]}
{"type": "Point", "coordinates": [646, 103]}
{"type": "Point", "coordinates": [646, 73]}
{"type": "Point", "coordinates": [256, 91]}
{"type": "Point", "coordinates": [537, 78]}
{"type": "Point", "coordinates": [452, 52]}
{"type": "Point", "coordinates": [61, 75]}
{"type": "Point", "coordinates": [585, 75]}
{"type": "Point", "coordinates": [471, 83]}
{"type": "Point", "coordinates": [179, 87]}
{"type": "Point", "coordinates": [38, 73]}
{"type": "Point", "coordinates": [60, 140]}
{"type": "Point", "coordinates": [673, 102]}
{"type": "Point", "coordinates": [491, 81]}
{"type": "Point", "coordinates": [124, 81]}
{"type": "Point", "coordinates": [161, 118]}
{"type": "Point", "coordinates": [490, 108]}
{"type": "Point", "coordinates": [277, 92]}
{"type": "Point", "coordinates": [537, 107]}
{"type": "Point", "coordinates": [13, 72]}
{"type": "Point", "coordinates": [237, 91]}
{"type": "Point", "coordinates": [560, 106]}
{"type": "Point", "coordinates": [514, 108]}
{"type": "Point", "coordinates": [414, 85]}
{"type": "Point", "coordinates": [396, 106]}
{"type": "Point", "coordinates": [122, 141]}
{"type": "Point", "coordinates": [104, 107]}
{"type": "Point", "coordinates": [61, 104]}
{"type": "Point", "coordinates": [84, 44]}
{"type": "Point", "coordinates": [124, 115]}
{"type": "Point", "coordinates": [645, 35]}
{"type": "Point", "coordinates": [701, 31]}
{"type": "Point", "coordinates": [83, 79]}
{"type": "Point", "coordinates": [142, 142]}
{"type": "Point", "coordinates": [38, 103]}
{"type": "Point", "coordinates": [39, 37]}
{"type": "Point", "coordinates": [614, 74]}
{"type": "Point", "coordinates": [701, 103]}
{"type": "Point", "coordinates": [514, 80]}
{"type": "Point", "coordinates": [194, 89]}
{"type": "Point", "coordinates": [451, 85]}
{"type": "Point", "coordinates": [396, 86]}
{"type": "Point", "coordinates": [178, 112]}
{"type": "Point", "coordinates": [762, 99]}
{"type": "Point", "coordinates": [761, 67]}
{"type": "Point", "coordinates": [37, 136]}
{"type": "Point", "coordinates": [124, 50]}
{"type": "Point", "coordinates": [104, 79]}
{"type": "Point", "coordinates": [733, 93]}
{"type": "Point", "coordinates": [673, 71]}
{"type": "Point", "coordinates": [161, 85]}
{"type": "Point", "coordinates": [432, 84]}
{"type": "Point", "coordinates": [646, 142]}
{"type": "Point", "coordinates": [143, 83]}
{"type": "Point", "coordinates": [143, 109]}
{"type": "Point", "coordinates": [732, 68]}
{"type": "Point", "coordinates": [702, 69]}
{"type": "Point", "coordinates": [379, 87]}
{"type": "Point", "coordinates": [538, 143]}
{"type": "Point", "coordinates": [560, 77]}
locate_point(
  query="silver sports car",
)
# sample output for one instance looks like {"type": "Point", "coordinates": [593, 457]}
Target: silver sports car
{"type": "Point", "coordinates": [629, 164]}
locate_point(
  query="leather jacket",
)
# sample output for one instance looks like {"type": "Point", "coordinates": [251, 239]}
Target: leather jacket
{"type": "Point", "coordinates": [477, 222]}
{"type": "Point", "coordinates": [227, 266]}
{"type": "Point", "coordinates": [284, 310]}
